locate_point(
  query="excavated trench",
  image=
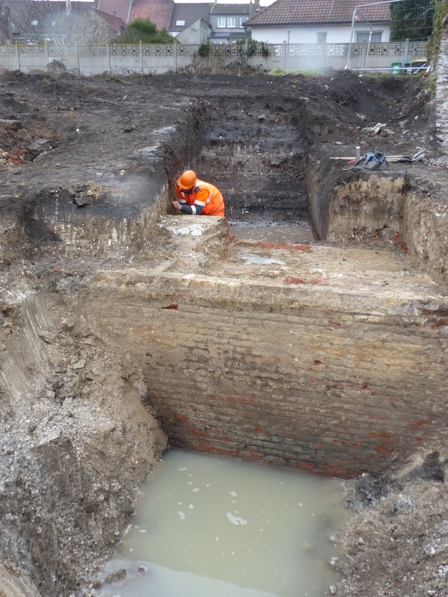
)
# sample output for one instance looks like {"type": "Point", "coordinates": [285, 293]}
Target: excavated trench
{"type": "Point", "coordinates": [260, 165]}
{"type": "Point", "coordinates": [326, 357]}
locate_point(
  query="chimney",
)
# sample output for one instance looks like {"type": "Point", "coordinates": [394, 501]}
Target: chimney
{"type": "Point", "coordinates": [251, 9]}
{"type": "Point", "coordinates": [257, 5]}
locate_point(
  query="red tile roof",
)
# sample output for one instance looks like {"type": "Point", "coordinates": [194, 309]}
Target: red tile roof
{"type": "Point", "coordinates": [157, 11]}
{"type": "Point", "coordinates": [308, 12]}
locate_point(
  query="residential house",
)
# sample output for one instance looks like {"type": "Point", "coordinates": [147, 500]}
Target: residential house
{"type": "Point", "coordinates": [227, 22]}
{"type": "Point", "coordinates": [59, 22]}
{"type": "Point", "coordinates": [320, 22]}
{"type": "Point", "coordinates": [196, 34]}
{"type": "Point", "coordinates": [100, 21]}
{"type": "Point", "coordinates": [190, 22]}
{"type": "Point", "coordinates": [102, 27]}
{"type": "Point", "coordinates": [116, 8]}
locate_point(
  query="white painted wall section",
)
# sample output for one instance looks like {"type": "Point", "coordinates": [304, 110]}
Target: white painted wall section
{"type": "Point", "coordinates": [336, 34]}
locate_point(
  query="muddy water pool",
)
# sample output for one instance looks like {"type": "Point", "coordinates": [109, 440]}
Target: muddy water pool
{"type": "Point", "coordinates": [212, 527]}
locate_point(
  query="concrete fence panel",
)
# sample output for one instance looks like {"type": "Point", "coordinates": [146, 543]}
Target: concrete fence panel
{"type": "Point", "coordinates": [153, 59]}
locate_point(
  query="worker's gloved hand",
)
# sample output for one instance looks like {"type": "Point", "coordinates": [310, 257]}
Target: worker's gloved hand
{"type": "Point", "coordinates": [176, 205]}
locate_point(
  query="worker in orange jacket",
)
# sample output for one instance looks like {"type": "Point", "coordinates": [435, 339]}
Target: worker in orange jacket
{"type": "Point", "coordinates": [196, 197]}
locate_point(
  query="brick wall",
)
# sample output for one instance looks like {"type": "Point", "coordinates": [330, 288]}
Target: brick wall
{"type": "Point", "coordinates": [290, 376]}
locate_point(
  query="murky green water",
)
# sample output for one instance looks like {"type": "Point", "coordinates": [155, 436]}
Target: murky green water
{"type": "Point", "coordinates": [212, 527]}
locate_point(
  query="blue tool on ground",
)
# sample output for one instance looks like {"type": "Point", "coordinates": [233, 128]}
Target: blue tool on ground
{"type": "Point", "coordinates": [372, 160]}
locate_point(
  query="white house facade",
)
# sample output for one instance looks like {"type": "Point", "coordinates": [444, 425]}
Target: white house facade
{"type": "Point", "coordinates": [322, 33]}
{"type": "Point", "coordinates": [321, 22]}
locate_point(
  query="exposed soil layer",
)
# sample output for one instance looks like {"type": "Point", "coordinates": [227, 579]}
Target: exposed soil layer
{"type": "Point", "coordinates": [397, 542]}
{"type": "Point", "coordinates": [72, 455]}
{"type": "Point", "coordinates": [73, 131]}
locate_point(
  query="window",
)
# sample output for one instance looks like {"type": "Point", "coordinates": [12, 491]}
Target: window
{"type": "Point", "coordinates": [180, 23]}
{"type": "Point", "coordinates": [229, 22]}
{"type": "Point", "coordinates": [243, 20]}
{"type": "Point", "coordinates": [362, 36]}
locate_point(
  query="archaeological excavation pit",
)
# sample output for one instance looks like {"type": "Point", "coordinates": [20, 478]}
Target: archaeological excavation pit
{"type": "Point", "coordinates": [127, 328]}
{"type": "Point", "coordinates": [258, 156]}
{"type": "Point", "coordinates": [223, 308]}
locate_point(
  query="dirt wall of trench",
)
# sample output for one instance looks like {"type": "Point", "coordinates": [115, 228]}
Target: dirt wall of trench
{"type": "Point", "coordinates": [76, 442]}
{"type": "Point", "coordinates": [389, 210]}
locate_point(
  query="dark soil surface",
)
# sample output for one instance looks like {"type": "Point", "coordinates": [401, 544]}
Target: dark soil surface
{"type": "Point", "coordinates": [65, 134]}
{"type": "Point", "coordinates": [62, 130]}
{"type": "Point", "coordinates": [73, 133]}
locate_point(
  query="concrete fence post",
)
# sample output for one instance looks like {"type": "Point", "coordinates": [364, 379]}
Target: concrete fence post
{"type": "Point", "coordinates": [284, 55]}
{"type": "Point", "coordinates": [364, 54]}
{"type": "Point", "coordinates": [18, 56]}
{"type": "Point", "coordinates": [140, 49]}
{"type": "Point", "coordinates": [47, 55]}
{"type": "Point", "coordinates": [175, 57]}
{"type": "Point", "coordinates": [109, 68]}
{"type": "Point", "coordinates": [405, 51]}
{"type": "Point", "coordinates": [78, 64]}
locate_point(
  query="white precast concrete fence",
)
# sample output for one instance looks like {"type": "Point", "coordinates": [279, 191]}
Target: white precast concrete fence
{"type": "Point", "coordinates": [154, 59]}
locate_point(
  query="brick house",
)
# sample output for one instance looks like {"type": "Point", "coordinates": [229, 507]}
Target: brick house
{"type": "Point", "coordinates": [158, 12]}
{"type": "Point", "coordinates": [319, 22]}
{"type": "Point", "coordinates": [191, 22]}
{"type": "Point", "coordinates": [103, 26]}
{"type": "Point", "coordinates": [101, 21]}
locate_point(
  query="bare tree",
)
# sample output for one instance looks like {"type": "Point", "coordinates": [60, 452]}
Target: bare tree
{"type": "Point", "coordinates": [44, 21]}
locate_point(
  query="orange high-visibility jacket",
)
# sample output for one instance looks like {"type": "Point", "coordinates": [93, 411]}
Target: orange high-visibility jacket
{"type": "Point", "coordinates": [204, 199]}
